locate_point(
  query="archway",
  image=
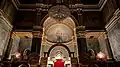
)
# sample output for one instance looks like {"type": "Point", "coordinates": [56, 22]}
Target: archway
{"type": "Point", "coordinates": [59, 31]}
{"type": "Point", "coordinates": [64, 46]}
{"type": "Point", "coordinates": [59, 54]}
{"type": "Point", "coordinates": [47, 16]}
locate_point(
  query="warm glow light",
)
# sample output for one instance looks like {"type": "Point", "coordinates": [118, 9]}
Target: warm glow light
{"type": "Point", "coordinates": [17, 55]}
{"type": "Point", "coordinates": [58, 57]}
{"type": "Point", "coordinates": [100, 55]}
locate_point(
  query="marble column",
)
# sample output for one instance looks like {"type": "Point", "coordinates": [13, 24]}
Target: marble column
{"type": "Point", "coordinates": [36, 41]}
{"type": "Point", "coordinates": [5, 29]}
{"type": "Point", "coordinates": [82, 45]}
{"type": "Point", "coordinates": [113, 30]}
{"type": "Point", "coordinates": [9, 47]}
{"type": "Point", "coordinates": [81, 40]}
{"type": "Point", "coordinates": [37, 32]}
{"type": "Point", "coordinates": [111, 57]}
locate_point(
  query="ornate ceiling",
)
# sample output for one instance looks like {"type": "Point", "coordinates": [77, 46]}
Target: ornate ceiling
{"type": "Point", "coordinates": [27, 9]}
{"type": "Point", "coordinates": [46, 4]}
{"type": "Point", "coordinates": [65, 1]}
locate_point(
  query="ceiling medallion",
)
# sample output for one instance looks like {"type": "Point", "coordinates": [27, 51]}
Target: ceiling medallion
{"type": "Point", "coordinates": [59, 12]}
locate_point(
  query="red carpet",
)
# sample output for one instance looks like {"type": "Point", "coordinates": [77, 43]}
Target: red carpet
{"type": "Point", "coordinates": [59, 63]}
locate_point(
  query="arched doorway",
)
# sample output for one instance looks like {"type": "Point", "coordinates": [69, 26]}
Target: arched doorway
{"type": "Point", "coordinates": [59, 54]}
{"type": "Point", "coordinates": [66, 49]}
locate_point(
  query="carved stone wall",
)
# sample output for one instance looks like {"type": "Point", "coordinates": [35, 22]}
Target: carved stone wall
{"type": "Point", "coordinates": [115, 40]}
{"type": "Point", "coordinates": [113, 29]}
{"type": "Point", "coordinates": [5, 29]}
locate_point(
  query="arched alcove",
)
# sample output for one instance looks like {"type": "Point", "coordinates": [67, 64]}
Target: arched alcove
{"type": "Point", "coordinates": [59, 46]}
{"type": "Point", "coordinates": [71, 17]}
{"type": "Point", "coordinates": [61, 31]}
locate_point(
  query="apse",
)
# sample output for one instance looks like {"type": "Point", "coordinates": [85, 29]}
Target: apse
{"type": "Point", "coordinates": [59, 52]}
{"type": "Point", "coordinates": [59, 31]}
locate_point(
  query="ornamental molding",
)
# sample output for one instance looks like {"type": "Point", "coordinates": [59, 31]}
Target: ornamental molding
{"type": "Point", "coordinates": [114, 20]}
{"type": "Point", "coordinates": [45, 7]}
{"type": "Point", "coordinates": [5, 21]}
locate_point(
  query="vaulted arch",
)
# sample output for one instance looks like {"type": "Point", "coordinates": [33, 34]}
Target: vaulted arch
{"type": "Point", "coordinates": [59, 44]}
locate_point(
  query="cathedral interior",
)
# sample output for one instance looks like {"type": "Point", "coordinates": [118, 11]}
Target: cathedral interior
{"type": "Point", "coordinates": [59, 33]}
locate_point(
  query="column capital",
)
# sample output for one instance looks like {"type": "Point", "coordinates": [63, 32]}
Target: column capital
{"type": "Point", "coordinates": [80, 35]}
{"type": "Point", "coordinates": [80, 28]}
{"type": "Point", "coordinates": [37, 34]}
{"type": "Point", "coordinates": [80, 31]}
{"type": "Point", "coordinates": [37, 31]}
{"type": "Point", "coordinates": [37, 28]}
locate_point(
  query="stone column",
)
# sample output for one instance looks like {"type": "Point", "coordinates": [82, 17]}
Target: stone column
{"type": "Point", "coordinates": [37, 32]}
{"type": "Point", "coordinates": [81, 40]}
{"type": "Point", "coordinates": [80, 32]}
{"type": "Point", "coordinates": [82, 46]}
{"type": "Point", "coordinates": [36, 41]}
{"type": "Point", "coordinates": [111, 57]}
{"type": "Point", "coordinates": [5, 36]}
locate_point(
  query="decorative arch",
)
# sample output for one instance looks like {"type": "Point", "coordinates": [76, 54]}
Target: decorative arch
{"type": "Point", "coordinates": [71, 16]}
{"type": "Point", "coordinates": [59, 44]}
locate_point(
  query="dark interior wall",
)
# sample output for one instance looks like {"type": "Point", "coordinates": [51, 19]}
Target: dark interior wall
{"type": "Point", "coordinates": [28, 19]}
{"type": "Point", "coordinates": [90, 1]}
{"type": "Point", "coordinates": [9, 10]}
{"type": "Point", "coordinates": [93, 20]}
{"type": "Point", "coordinates": [28, 1]}
{"type": "Point", "coordinates": [36, 45]}
{"type": "Point", "coordinates": [108, 10]}
{"type": "Point", "coordinates": [0, 2]}
{"type": "Point", "coordinates": [25, 20]}
{"type": "Point", "coordinates": [118, 3]}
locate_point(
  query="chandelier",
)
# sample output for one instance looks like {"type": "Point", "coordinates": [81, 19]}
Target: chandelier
{"type": "Point", "coordinates": [59, 12]}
